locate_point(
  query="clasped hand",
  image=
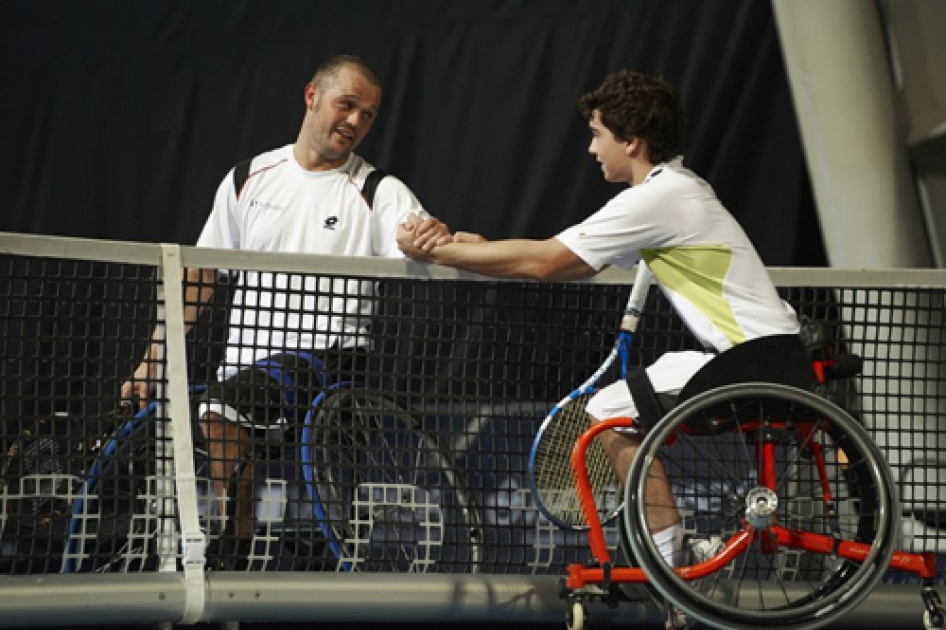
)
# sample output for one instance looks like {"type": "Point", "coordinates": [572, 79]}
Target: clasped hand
{"type": "Point", "coordinates": [418, 238]}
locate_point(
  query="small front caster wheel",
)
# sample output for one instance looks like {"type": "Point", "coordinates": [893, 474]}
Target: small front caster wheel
{"type": "Point", "coordinates": [935, 620]}
{"type": "Point", "coordinates": [676, 619]}
{"type": "Point", "coordinates": [576, 615]}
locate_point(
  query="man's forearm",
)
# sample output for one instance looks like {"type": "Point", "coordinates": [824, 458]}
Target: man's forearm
{"type": "Point", "coordinates": [198, 291]}
{"type": "Point", "coordinates": [514, 258]}
{"type": "Point", "coordinates": [501, 259]}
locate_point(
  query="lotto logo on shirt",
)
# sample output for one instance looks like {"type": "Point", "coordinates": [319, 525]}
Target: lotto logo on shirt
{"type": "Point", "coordinates": [330, 223]}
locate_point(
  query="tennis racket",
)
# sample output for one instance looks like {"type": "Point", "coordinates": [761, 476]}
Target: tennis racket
{"type": "Point", "coordinates": [551, 478]}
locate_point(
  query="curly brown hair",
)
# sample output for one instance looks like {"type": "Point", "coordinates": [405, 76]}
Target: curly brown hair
{"type": "Point", "coordinates": [633, 104]}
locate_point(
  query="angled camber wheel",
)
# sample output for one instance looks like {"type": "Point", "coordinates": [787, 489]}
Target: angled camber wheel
{"type": "Point", "coordinates": [115, 519]}
{"type": "Point", "coordinates": [746, 457]}
{"type": "Point", "coordinates": [387, 494]}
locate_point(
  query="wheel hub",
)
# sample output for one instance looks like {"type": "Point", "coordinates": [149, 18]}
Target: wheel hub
{"type": "Point", "coordinates": [761, 504]}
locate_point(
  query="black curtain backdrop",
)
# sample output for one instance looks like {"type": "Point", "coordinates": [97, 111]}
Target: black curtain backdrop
{"type": "Point", "coordinates": [120, 118]}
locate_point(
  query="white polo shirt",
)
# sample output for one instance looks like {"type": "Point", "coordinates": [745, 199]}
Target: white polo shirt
{"type": "Point", "coordinates": [699, 255]}
{"type": "Point", "coordinates": [284, 208]}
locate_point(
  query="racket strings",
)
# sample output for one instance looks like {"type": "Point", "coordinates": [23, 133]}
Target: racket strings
{"type": "Point", "coordinates": [555, 482]}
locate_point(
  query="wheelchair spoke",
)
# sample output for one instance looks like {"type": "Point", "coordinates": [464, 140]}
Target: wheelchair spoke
{"type": "Point", "coordinates": [721, 451]}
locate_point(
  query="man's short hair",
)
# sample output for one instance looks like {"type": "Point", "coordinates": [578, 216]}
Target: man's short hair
{"type": "Point", "coordinates": [633, 104]}
{"type": "Point", "coordinates": [327, 73]}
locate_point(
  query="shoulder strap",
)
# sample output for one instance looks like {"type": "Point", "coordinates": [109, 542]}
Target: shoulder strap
{"type": "Point", "coordinates": [242, 171]}
{"type": "Point", "coordinates": [371, 185]}
{"type": "Point", "coordinates": [240, 174]}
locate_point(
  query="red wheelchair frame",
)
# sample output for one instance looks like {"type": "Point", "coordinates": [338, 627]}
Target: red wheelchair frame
{"type": "Point", "coordinates": [599, 577]}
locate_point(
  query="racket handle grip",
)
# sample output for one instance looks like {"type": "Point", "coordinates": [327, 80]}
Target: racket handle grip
{"type": "Point", "coordinates": [635, 303]}
{"type": "Point", "coordinates": [629, 321]}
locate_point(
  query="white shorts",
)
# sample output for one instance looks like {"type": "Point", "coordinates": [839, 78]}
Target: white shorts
{"type": "Point", "coordinates": [668, 375]}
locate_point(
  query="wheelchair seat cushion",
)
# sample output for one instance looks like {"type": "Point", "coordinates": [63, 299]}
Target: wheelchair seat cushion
{"type": "Point", "coordinates": [774, 359]}
{"type": "Point", "coordinates": [779, 359]}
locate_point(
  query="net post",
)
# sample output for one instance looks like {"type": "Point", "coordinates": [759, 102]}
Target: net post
{"type": "Point", "coordinates": [193, 540]}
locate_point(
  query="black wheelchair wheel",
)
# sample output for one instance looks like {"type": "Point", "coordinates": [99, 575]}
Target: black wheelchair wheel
{"type": "Point", "coordinates": [632, 591]}
{"type": "Point", "coordinates": [387, 495]}
{"type": "Point", "coordinates": [116, 521]}
{"type": "Point", "coordinates": [710, 450]}
{"type": "Point", "coordinates": [41, 472]}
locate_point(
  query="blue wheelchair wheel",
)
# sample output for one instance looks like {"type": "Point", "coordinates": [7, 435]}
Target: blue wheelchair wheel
{"type": "Point", "coordinates": [384, 491]}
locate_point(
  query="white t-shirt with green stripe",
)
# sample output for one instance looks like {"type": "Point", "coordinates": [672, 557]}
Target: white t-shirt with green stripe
{"type": "Point", "coordinates": [699, 255]}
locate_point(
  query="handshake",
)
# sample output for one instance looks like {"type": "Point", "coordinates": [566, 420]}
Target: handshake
{"type": "Point", "coordinates": [417, 237]}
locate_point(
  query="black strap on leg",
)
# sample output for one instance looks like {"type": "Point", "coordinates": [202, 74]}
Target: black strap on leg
{"type": "Point", "coordinates": [649, 407]}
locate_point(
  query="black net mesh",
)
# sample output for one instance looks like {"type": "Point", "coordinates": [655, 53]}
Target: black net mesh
{"type": "Point", "coordinates": [400, 444]}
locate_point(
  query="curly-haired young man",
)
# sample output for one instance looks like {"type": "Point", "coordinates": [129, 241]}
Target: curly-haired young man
{"type": "Point", "coordinates": [669, 217]}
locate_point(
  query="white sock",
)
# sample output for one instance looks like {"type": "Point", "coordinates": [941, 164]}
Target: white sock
{"type": "Point", "coordinates": [669, 543]}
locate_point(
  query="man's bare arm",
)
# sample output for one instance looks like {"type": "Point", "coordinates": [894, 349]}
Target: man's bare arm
{"type": "Point", "coordinates": [527, 259]}
{"type": "Point", "coordinates": [198, 291]}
